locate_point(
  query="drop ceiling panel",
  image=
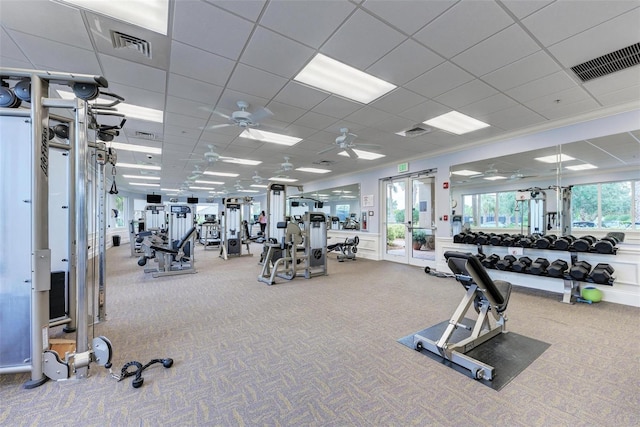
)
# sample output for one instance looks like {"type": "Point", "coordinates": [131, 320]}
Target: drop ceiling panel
{"type": "Point", "coordinates": [610, 36]}
{"type": "Point", "coordinates": [136, 96]}
{"type": "Point", "coordinates": [200, 65]}
{"type": "Point", "coordinates": [568, 109]}
{"type": "Point", "coordinates": [514, 118]}
{"type": "Point", "coordinates": [14, 63]}
{"type": "Point", "coordinates": [285, 112]}
{"type": "Point", "coordinates": [405, 63]}
{"type": "Point", "coordinates": [47, 54]}
{"type": "Point", "coordinates": [362, 41]}
{"type": "Point", "coordinates": [466, 94]}
{"type": "Point", "coordinates": [563, 19]}
{"type": "Point", "coordinates": [368, 116]}
{"type": "Point", "coordinates": [547, 85]}
{"type": "Point", "coordinates": [408, 16]}
{"type": "Point", "coordinates": [188, 107]}
{"type": "Point", "coordinates": [315, 121]}
{"type": "Point", "coordinates": [274, 53]}
{"type": "Point", "coordinates": [300, 95]}
{"type": "Point", "coordinates": [126, 72]}
{"type": "Point", "coordinates": [63, 24]}
{"type": "Point", "coordinates": [502, 49]}
{"type": "Point", "coordinates": [439, 80]}
{"type": "Point", "coordinates": [210, 28]}
{"type": "Point", "coordinates": [399, 99]}
{"type": "Point", "coordinates": [8, 49]}
{"type": "Point", "coordinates": [184, 87]}
{"type": "Point", "coordinates": [628, 94]}
{"type": "Point", "coordinates": [314, 21]}
{"type": "Point", "coordinates": [522, 8]}
{"type": "Point", "coordinates": [252, 80]}
{"type": "Point", "coordinates": [335, 106]}
{"type": "Point", "coordinates": [180, 120]}
{"type": "Point", "coordinates": [247, 9]}
{"type": "Point", "coordinates": [530, 68]}
{"type": "Point", "coordinates": [462, 26]}
{"type": "Point", "coordinates": [425, 111]}
{"type": "Point", "coordinates": [491, 104]}
{"type": "Point", "coordinates": [557, 99]}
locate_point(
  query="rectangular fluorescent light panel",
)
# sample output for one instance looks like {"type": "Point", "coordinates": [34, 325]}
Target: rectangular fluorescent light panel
{"type": "Point", "coordinates": [240, 161]}
{"type": "Point", "coordinates": [144, 184]}
{"type": "Point", "coordinates": [313, 170]}
{"type": "Point", "coordinates": [581, 167]}
{"type": "Point", "coordinates": [465, 172]}
{"type": "Point", "coordinates": [276, 178]}
{"type": "Point", "coordinates": [258, 186]}
{"type": "Point", "coordinates": [201, 188]}
{"type": "Point", "coordinates": [129, 110]}
{"type": "Point", "coordinates": [495, 178]}
{"type": "Point", "coordinates": [150, 14]}
{"type": "Point", "coordinates": [365, 155]}
{"type": "Point", "coordinates": [555, 158]}
{"type": "Point", "coordinates": [230, 174]}
{"type": "Point", "coordinates": [136, 148]}
{"type": "Point", "coordinates": [248, 191]}
{"type": "Point", "coordinates": [332, 76]}
{"type": "Point", "coordinates": [136, 166]}
{"type": "Point", "coordinates": [170, 189]}
{"type": "Point", "coordinates": [456, 123]}
{"type": "Point", "coordinates": [276, 138]}
{"type": "Point", "coordinates": [200, 181]}
{"type": "Point", "coordinates": [145, 177]}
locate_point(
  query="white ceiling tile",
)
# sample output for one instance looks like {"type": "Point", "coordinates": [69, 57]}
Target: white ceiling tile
{"type": "Point", "coordinates": [465, 94]}
{"type": "Point", "coordinates": [568, 109]}
{"type": "Point", "coordinates": [405, 63]}
{"type": "Point", "coordinates": [200, 65]}
{"type": "Point", "coordinates": [188, 107]}
{"type": "Point", "coordinates": [514, 118]}
{"type": "Point", "coordinates": [126, 72]}
{"type": "Point", "coordinates": [563, 19]}
{"type": "Point", "coordinates": [14, 63]}
{"type": "Point", "coordinates": [335, 106]}
{"type": "Point", "coordinates": [191, 123]}
{"type": "Point", "coordinates": [285, 112]}
{"type": "Point", "coordinates": [522, 8]}
{"type": "Point", "coordinates": [408, 15]}
{"type": "Point", "coordinates": [499, 50]}
{"type": "Point", "coordinates": [439, 80]}
{"type": "Point", "coordinates": [315, 121]}
{"type": "Point", "coordinates": [136, 96]}
{"type": "Point", "coordinates": [62, 23]}
{"type": "Point", "coordinates": [424, 111]}
{"type": "Point", "coordinates": [399, 99]}
{"type": "Point", "coordinates": [463, 26]}
{"type": "Point", "coordinates": [210, 28]}
{"type": "Point", "coordinates": [48, 54]}
{"type": "Point", "coordinates": [368, 116]}
{"type": "Point", "coordinates": [274, 53]}
{"type": "Point", "coordinates": [610, 36]}
{"type": "Point", "coordinates": [558, 99]}
{"type": "Point", "coordinates": [547, 85]}
{"type": "Point", "coordinates": [257, 82]}
{"type": "Point", "coordinates": [532, 67]}
{"type": "Point", "coordinates": [195, 90]}
{"type": "Point", "coordinates": [300, 95]}
{"type": "Point", "coordinates": [8, 49]}
{"type": "Point", "coordinates": [480, 109]}
{"type": "Point", "coordinates": [313, 21]}
{"type": "Point", "coordinates": [248, 9]}
{"type": "Point", "coordinates": [362, 41]}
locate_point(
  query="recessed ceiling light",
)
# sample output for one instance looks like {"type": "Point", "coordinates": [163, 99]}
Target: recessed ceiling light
{"type": "Point", "coordinates": [465, 172]}
{"type": "Point", "coordinates": [221, 174]}
{"type": "Point", "coordinates": [248, 191]}
{"type": "Point", "coordinates": [152, 15]}
{"type": "Point", "coordinates": [456, 123]}
{"type": "Point", "coordinates": [240, 161]}
{"type": "Point", "coordinates": [581, 167]}
{"type": "Point", "coordinates": [129, 110]}
{"type": "Point", "coordinates": [333, 76]}
{"type": "Point", "coordinates": [555, 158]}
{"type": "Point", "coordinates": [136, 148]}
{"type": "Point", "coordinates": [201, 188]}
{"type": "Point", "coordinates": [200, 181]}
{"type": "Point", "coordinates": [258, 186]}
{"type": "Point", "coordinates": [170, 189]}
{"type": "Point", "coordinates": [144, 184]}
{"type": "Point", "coordinates": [149, 178]}
{"type": "Point", "coordinates": [136, 166]}
{"type": "Point", "coordinates": [495, 177]}
{"type": "Point", "coordinates": [364, 155]}
{"type": "Point", "coordinates": [313, 170]}
{"type": "Point", "coordinates": [276, 138]}
{"type": "Point", "coordinates": [277, 178]}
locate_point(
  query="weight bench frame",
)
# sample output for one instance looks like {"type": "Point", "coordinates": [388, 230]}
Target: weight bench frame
{"type": "Point", "coordinates": [487, 296]}
{"type": "Point", "coordinates": [168, 256]}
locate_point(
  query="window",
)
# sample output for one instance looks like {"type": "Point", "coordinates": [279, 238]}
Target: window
{"type": "Point", "coordinates": [119, 211]}
{"type": "Point", "coordinates": [608, 205]}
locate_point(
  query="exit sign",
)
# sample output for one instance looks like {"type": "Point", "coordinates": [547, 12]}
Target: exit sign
{"type": "Point", "coordinates": [403, 167]}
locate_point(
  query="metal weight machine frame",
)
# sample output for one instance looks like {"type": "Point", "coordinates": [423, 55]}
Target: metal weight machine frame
{"type": "Point", "coordinates": [232, 239]}
{"type": "Point", "coordinates": [43, 363]}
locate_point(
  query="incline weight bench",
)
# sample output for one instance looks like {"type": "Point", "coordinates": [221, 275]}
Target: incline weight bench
{"type": "Point", "coordinates": [348, 248]}
{"type": "Point", "coordinates": [177, 258]}
{"type": "Point", "coordinates": [487, 297]}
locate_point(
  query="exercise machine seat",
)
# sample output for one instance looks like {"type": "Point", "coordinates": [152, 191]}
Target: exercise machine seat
{"type": "Point", "coordinates": [467, 265]}
{"type": "Point", "coordinates": [179, 246]}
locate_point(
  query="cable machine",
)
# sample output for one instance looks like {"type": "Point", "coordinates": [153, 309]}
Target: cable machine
{"type": "Point", "coordinates": [25, 264]}
{"type": "Point", "coordinates": [235, 230]}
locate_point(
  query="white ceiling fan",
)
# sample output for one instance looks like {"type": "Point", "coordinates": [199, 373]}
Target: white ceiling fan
{"type": "Point", "coordinates": [243, 118]}
{"type": "Point", "coordinates": [208, 157]}
{"type": "Point", "coordinates": [345, 142]}
{"type": "Point", "coordinates": [257, 178]}
{"type": "Point", "coordinates": [286, 166]}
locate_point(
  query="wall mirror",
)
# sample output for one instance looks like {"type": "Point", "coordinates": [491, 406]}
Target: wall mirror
{"type": "Point", "coordinates": [340, 204]}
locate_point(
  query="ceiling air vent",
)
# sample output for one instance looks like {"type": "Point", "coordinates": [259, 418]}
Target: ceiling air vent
{"type": "Point", "coordinates": [145, 135]}
{"type": "Point", "coordinates": [417, 130]}
{"type": "Point", "coordinates": [324, 162]}
{"type": "Point", "coordinates": [609, 63]}
{"type": "Point", "coordinates": [125, 41]}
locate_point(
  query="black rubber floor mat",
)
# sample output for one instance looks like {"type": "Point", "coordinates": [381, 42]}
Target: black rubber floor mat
{"type": "Point", "coordinates": [508, 353]}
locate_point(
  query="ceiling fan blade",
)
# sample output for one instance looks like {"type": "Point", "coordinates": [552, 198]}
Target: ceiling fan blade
{"type": "Point", "coordinates": [326, 150]}
{"type": "Point", "coordinates": [218, 113]}
{"type": "Point", "coordinates": [351, 153]}
{"type": "Point", "coordinates": [219, 126]}
{"type": "Point", "coordinates": [260, 114]}
{"type": "Point", "coordinates": [349, 138]}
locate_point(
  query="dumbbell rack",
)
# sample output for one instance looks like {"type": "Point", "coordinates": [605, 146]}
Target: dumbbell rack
{"type": "Point", "coordinates": [571, 289]}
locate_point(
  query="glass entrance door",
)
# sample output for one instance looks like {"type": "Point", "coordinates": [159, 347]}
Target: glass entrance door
{"type": "Point", "coordinates": [409, 220]}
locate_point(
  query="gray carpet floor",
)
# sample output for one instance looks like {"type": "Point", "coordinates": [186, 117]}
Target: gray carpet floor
{"type": "Point", "coordinates": [324, 352]}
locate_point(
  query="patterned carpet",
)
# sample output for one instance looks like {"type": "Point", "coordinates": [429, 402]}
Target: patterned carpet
{"type": "Point", "coordinates": [324, 352]}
